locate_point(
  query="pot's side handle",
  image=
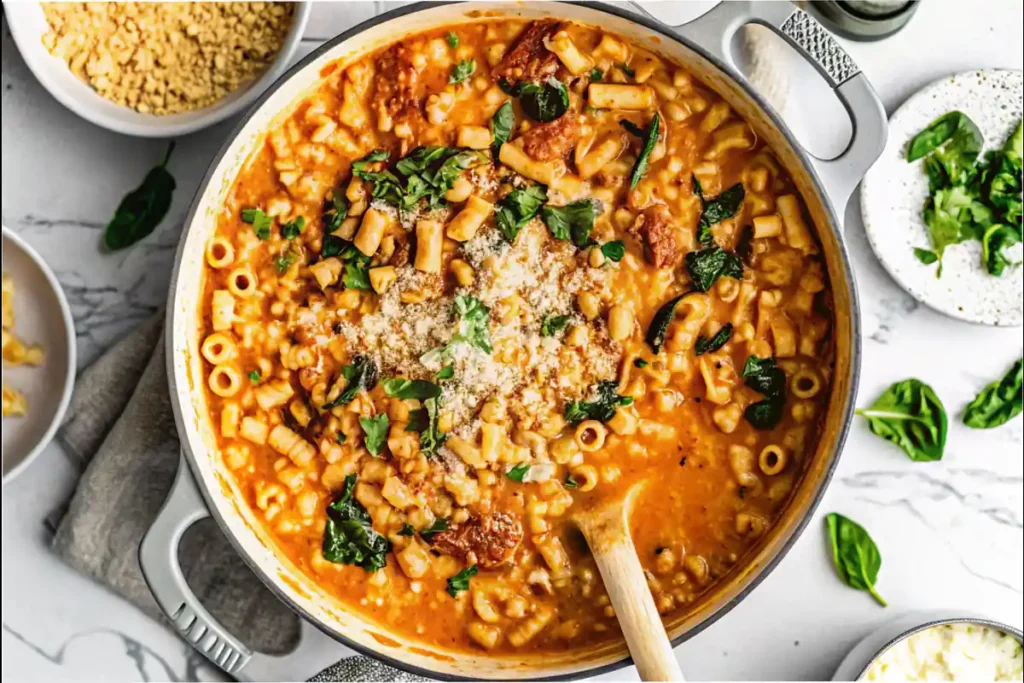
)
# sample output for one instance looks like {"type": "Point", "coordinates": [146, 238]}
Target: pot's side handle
{"type": "Point", "coordinates": [714, 32]}
{"type": "Point", "coordinates": [158, 558]}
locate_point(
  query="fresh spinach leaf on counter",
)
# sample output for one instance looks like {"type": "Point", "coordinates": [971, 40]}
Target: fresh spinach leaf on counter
{"type": "Point", "coordinates": [707, 265]}
{"type": "Point", "coordinates": [462, 71]}
{"type": "Point", "coordinates": [854, 554]}
{"type": "Point", "coordinates": [572, 222]}
{"type": "Point", "coordinates": [705, 345]}
{"type": "Point", "coordinates": [765, 378]}
{"type": "Point", "coordinates": [502, 123]}
{"type": "Point", "coordinates": [601, 408]}
{"type": "Point", "coordinates": [349, 537]}
{"type": "Point", "coordinates": [518, 208]}
{"type": "Point", "coordinates": [910, 415]}
{"type": "Point", "coordinates": [410, 388]}
{"type": "Point", "coordinates": [460, 582]}
{"type": "Point", "coordinates": [999, 402]}
{"type": "Point", "coordinates": [714, 211]}
{"type": "Point", "coordinates": [259, 221]}
{"type": "Point", "coordinates": [292, 229]}
{"type": "Point", "coordinates": [376, 431]}
{"type": "Point", "coordinates": [553, 325]}
{"type": "Point", "coordinates": [650, 138]}
{"type": "Point", "coordinates": [659, 324]}
{"type": "Point", "coordinates": [142, 209]}
{"type": "Point", "coordinates": [361, 375]}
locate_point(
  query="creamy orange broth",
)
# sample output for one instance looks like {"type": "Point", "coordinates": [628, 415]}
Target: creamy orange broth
{"type": "Point", "coordinates": [279, 329]}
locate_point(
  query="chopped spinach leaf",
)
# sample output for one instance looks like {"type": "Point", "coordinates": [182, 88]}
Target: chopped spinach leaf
{"type": "Point", "coordinates": [570, 482]}
{"type": "Point", "coordinates": [999, 402]}
{"type": "Point", "coordinates": [705, 345]}
{"type": "Point", "coordinates": [707, 265]}
{"type": "Point", "coordinates": [453, 40]}
{"type": "Point", "coordinates": [254, 376]}
{"type": "Point", "coordinates": [518, 208]}
{"type": "Point", "coordinates": [284, 261]}
{"type": "Point", "coordinates": [360, 375]}
{"type": "Point", "coordinates": [517, 472]}
{"type": "Point", "coordinates": [714, 211]}
{"type": "Point", "coordinates": [571, 222]}
{"type": "Point", "coordinates": [340, 438]}
{"type": "Point", "coordinates": [596, 75]}
{"type": "Point", "coordinates": [502, 123]}
{"type": "Point", "coordinates": [447, 372]}
{"type": "Point", "coordinates": [424, 421]}
{"type": "Point", "coordinates": [462, 71]}
{"type": "Point", "coordinates": [335, 211]}
{"type": "Point", "coordinates": [545, 102]}
{"type": "Point", "coordinates": [614, 251]}
{"type": "Point", "coordinates": [437, 526]}
{"type": "Point", "coordinates": [554, 324]}
{"type": "Point", "coordinates": [406, 530]}
{"type": "Point", "coordinates": [910, 415]}
{"type": "Point", "coordinates": [474, 323]}
{"type": "Point", "coordinates": [640, 363]}
{"type": "Point", "coordinates": [349, 537]}
{"type": "Point", "coordinates": [764, 377]}
{"type": "Point", "coordinates": [376, 431]}
{"type": "Point", "coordinates": [460, 582]}
{"type": "Point", "coordinates": [650, 138]}
{"type": "Point", "coordinates": [602, 408]}
{"type": "Point", "coordinates": [411, 388]}
{"type": "Point", "coordinates": [660, 322]}
{"type": "Point", "coordinates": [627, 70]}
{"type": "Point", "coordinates": [925, 256]}
{"type": "Point", "coordinates": [292, 229]}
{"type": "Point", "coordinates": [142, 209]}
{"type": "Point", "coordinates": [259, 221]}
{"type": "Point", "coordinates": [632, 128]}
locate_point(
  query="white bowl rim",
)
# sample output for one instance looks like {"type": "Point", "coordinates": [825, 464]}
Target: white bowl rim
{"type": "Point", "coordinates": [148, 125]}
{"type": "Point", "coordinates": [72, 354]}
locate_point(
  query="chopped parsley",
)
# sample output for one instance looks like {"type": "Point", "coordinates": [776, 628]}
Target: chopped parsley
{"type": "Point", "coordinates": [460, 582]}
{"type": "Point", "coordinates": [259, 221]}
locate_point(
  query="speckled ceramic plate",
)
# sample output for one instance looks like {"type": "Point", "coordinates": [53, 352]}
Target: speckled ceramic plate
{"type": "Point", "coordinates": [894, 191]}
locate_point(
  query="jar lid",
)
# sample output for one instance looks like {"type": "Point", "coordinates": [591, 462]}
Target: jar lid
{"type": "Point", "coordinates": [864, 19]}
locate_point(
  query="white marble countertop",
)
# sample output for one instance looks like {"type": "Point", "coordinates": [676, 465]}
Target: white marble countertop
{"type": "Point", "coordinates": [950, 532]}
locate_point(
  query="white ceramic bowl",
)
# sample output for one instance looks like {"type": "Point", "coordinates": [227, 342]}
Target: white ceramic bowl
{"type": "Point", "coordinates": [856, 664]}
{"type": "Point", "coordinates": [41, 316]}
{"type": "Point", "coordinates": [28, 25]}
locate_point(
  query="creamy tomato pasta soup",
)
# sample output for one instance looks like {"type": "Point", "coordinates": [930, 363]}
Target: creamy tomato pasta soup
{"type": "Point", "coordinates": [492, 272]}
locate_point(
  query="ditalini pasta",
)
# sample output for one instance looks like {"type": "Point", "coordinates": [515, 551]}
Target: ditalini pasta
{"type": "Point", "coordinates": [488, 273]}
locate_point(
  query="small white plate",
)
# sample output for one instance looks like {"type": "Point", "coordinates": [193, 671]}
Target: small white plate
{"type": "Point", "coordinates": [894, 191]}
{"type": "Point", "coordinates": [41, 316]}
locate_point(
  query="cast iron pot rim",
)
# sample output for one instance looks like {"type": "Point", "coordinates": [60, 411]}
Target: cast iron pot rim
{"type": "Point", "coordinates": [797, 529]}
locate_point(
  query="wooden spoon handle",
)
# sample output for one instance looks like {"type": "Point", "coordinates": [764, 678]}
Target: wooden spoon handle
{"type": "Point", "coordinates": [634, 607]}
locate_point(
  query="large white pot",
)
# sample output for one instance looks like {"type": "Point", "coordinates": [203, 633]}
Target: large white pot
{"type": "Point", "coordinates": [206, 487]}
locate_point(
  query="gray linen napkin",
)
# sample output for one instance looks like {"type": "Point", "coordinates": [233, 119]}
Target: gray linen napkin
{"type": "Point", "coordinates": [122, 431]}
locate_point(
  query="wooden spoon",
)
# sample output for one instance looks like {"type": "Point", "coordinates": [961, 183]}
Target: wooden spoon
{"type": "Point", "coordinates": [606, 528]}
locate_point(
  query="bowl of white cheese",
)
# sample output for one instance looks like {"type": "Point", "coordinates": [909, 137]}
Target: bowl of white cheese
{"type": "Point", "coordinates": [937, 646]}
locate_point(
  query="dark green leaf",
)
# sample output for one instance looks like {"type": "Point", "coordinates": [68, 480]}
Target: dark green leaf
{"type": "Point", "coordinates": [910, 415]}
{"type": "Point", "coordinates": [554, 324]}
{"type": "Point", "coordinates": [333, 246]}
{"type": "Point", "coordinates": [462, 71]}
{"type": "Point", "coordinates": [376, 431]}
{"type": "Point", "coordinates": [660, 322]}
{"type": "Point", "coordinates": [955, 128]}
{"type": "Point", "coordinates": [447, 372]}
{"type": "Point", "coordinates": [292, 229]}
{"type": "Point", "coordinates": [502, 123]}
{"type": "Point", "coordinates": [254, 376]}
{"type": "Point", "coordinates": [714, 211]}
{"type": "Point", "coordinates": [999, 402]}
{"type": "Point", "coordinates": [571, 222]}
{"type": "Point", "coordinates": [925, 256]}
{"type": "Point", "coordinates": [704, 345]}
{"type": "Point", "coordinates": [284, 261]}
{"type": "Point", "coordinates": [640, 363]}
{"type": "Point", "coordinates": [602, 407]}
{"type": "Point", "coordinates": [411, 388]}
{"type": "Point", "coordinates": [453, 40]}
{"type": "Point", "coordinates": [142, 209]}
{"type": "Point", "coordinates": [360, 375]}
{"type": "Point", "coordinates": [707, 265]}
{"type": "Point", "coordinates": [650, 140]}
{"type": "Point", "coordinates": [745, 243]}
{"type": "Point", "coordinates": [349, 537]}
{"type": "Point", "coordinates": [614, 251]}
{"type": "Point", "coordinates": [340, 437]}
{"type": "Point", "coordinates": [596, 75]}
{"type": "Point", "coordinates": [764, 414]}
{"type": "Point", "coordinates": [518, 208]}
{"type": "Point", "coordinates": [431, 436]}
{"type": "Point", "coordinates": [474, 323]}
{"type": "Point", "coordinates": [854, 554]}
{"type": "Point", "coordinates": [570, 482]}
{"type": "Point", "coordinates": [764, 377]}
{"type": "Point", "coordinates": [259, 221]}
{"type": "Point", "coordinates": [545, 102]}
{"type": "Point", "coordinates": [633, 128]}
{"type": "Point", "coordinates": [437, 526]}
{"type": "Point", "coordinates": [994, 243]}
{"type": "Point", "coordinates": [335, 211]}
{"type": "Point", "coordinates": [627, 70]}
{"type": "Point", "coordinates": [406, 530]}
{"type": "Point", "coordinates": [460, 582]}
{"type": "Point", "coordinates": [517, 472]}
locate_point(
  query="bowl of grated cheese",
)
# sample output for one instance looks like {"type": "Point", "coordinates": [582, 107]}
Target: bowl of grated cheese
{"type": "Point", "coordinates": [940, 646]}
{"type": "Point", "coordinates": [157, 69]}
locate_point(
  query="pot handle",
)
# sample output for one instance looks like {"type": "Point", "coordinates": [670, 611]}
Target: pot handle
{"type": "Point", "coordinates": [714, 31]}
{"type": "Point", "coordinates": [158, 558]}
